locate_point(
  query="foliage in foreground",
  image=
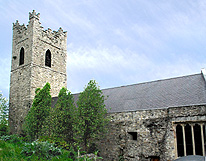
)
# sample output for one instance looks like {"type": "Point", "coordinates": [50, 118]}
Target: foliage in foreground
{"type": "Point", "coordinates": [41, 149]}
{"type": "Point", "coordinates": [3, 115]}
{"type": "Point", "coordinates": [67, 124]}
{"type": "Point", "coordinates": [12, 148]}
{"type": "Point", "coordinates": [34, 122]}
{"type": "Point", "coordinates": [12, 139]}
{"type": "Point", "coordinates": [64, 117]}
{"type": "Point", "coordinates": [92, 115]}
{"type": "Point", "coordinates": [26, 151]}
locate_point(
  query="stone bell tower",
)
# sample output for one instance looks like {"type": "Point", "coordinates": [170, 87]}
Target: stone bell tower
{"type": "Point", "coordinates": [38, 56]}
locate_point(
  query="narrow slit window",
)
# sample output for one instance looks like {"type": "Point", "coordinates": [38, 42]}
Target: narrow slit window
{"type": "Point", "coordinates": [21, 58]}
{"type": "Point", "coordinates": [48, 58]}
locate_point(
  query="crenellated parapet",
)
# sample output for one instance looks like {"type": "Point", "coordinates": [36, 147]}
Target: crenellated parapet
{"type": "Point", "coordinates": [34, 15]}
{"type": "Point", "coordinates": [19, 28]}
{"type": "Point", "coordinates": [54, 34]}
{"type": "Point", "coordinates": [57, 38]}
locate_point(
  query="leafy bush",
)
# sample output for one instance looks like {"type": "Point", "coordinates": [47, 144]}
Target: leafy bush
{"type": "Point", "coordinates": [42, 149]}
{"type": "Point", "coordinates": [3, 128]}
{"type": "Point", "coordinates": [35, 119]}
{"type": "Point", "coordinates": [63, 118]}
{"type": "Point", "coordinates": [5, 137]}
{"type": "Point", "coordinates": [3, 115]}
{"type": "Point", "coordinates": [58, 142]}
{"type": "Point", "coordinates": [11, 138]}
{"type": "Point", "coordinates": [9, 151]}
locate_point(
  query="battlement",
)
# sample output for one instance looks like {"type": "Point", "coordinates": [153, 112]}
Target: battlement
{"type": "Point", "coordinates": [34, 24]}
{"type": "Point", "coordinates": [57, 38]}
{"type": "Point", "coordinates": [34, 15]}
{"type": "Point", "coordinates": [54, 34]}
{"type": "Point", "coordinates": [18, 27]}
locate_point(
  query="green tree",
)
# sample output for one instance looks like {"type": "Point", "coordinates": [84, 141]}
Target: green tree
{"type": "Point", "coordinates": [35, 120]}
{"type": "Point", "coordinates": [92, 114]}
{"type": "Point", "coordinates": [3, 115]}
{"type": "Point", "coordinates": [64, 116]}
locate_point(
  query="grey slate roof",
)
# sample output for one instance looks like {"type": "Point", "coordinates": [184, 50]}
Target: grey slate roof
{"type": "Point", "coordinates": [174, 92]}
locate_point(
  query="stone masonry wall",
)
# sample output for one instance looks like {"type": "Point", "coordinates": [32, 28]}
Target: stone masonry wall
{"type": "Point", "coordinates": [19, 99]}
{"type": "Point", "coordinates": [155, 133]}
{"type": "Point", "coordinates": [56, 79]}
{"type": "Point", "coordinates": [19, 96]}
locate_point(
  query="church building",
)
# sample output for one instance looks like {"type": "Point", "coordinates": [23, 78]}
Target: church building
{"type": "Point", "coordinates": [151, 121]}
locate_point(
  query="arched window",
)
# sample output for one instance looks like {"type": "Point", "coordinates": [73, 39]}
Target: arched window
{"type": "Point", "coordinates": [21, 58]}
{"type": "Point", "coordinates": [48, 58]}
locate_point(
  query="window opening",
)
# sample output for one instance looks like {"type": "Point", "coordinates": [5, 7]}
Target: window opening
{"type": "Point", "coordinates": [21, 58]}
{"type": "Point", "coordinates": [48, 58]}
{"type": "Point", "coordinates": [198, 142]}
{"type": "Point", "coordinates": [191, 138]}
{"type": "Point", "coordinates": [180, 144]}
{"type": "Point", "coordinates": [188, 139]}
{"type": "Point", "coordinates": [133, 135]}
{"type": "Point", "coordinates": [204, 134]}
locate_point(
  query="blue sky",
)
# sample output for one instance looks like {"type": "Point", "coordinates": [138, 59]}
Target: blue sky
{"type": "Point", "coordinates": [115, 42]}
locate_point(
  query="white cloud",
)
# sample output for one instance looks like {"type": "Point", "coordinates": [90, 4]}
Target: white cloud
{"type": "Point", "coordinates": [115, 66]}
{"type": "Point", "coordinates": [107, 59]}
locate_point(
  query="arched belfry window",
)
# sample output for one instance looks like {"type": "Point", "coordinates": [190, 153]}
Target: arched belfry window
{"type": "Point", "coordinates": [21, 58]}
{"type": "Point", "coordinates": [48, 58]}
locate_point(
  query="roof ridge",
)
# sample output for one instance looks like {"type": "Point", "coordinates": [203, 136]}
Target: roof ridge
{"type": "Point", "coordinates": [152, 81]}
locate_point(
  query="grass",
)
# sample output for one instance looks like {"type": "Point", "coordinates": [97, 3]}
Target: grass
{"type": "Point", "coordinates": [10, 152]}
